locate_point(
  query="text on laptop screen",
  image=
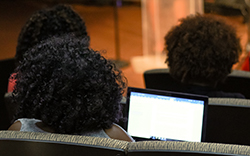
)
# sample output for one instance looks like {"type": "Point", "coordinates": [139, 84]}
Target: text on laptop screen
{"type": "Point", "coordinates": [165, 117]}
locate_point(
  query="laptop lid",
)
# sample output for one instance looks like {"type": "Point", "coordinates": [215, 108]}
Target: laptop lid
{"type": "Point", "coordinates": [165, 115]}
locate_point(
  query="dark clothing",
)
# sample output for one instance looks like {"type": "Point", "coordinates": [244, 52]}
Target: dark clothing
{"type": "Point", "coordinates": [212, 92]}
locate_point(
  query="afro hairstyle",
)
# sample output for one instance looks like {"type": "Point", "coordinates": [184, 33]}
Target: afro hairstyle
{"type": "Point", "coordinates": [201, 50]}
{"type": "Point", "coordinates": [71, 88]}
{"type": "Point", "coordinates": [45, 23]}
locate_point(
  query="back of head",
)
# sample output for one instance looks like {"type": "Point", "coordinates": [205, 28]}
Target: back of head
{"type": "Point", "coordinates": [43, 24]}
{"type": "Point", "coordinates": [201, 50]}
{"type": "Point", "coordinates": [68, 86]}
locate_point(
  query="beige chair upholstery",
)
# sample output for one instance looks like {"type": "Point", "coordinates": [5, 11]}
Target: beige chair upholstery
{"type": "Point", "coordinates": [15, 143]}
{"type": "Point", "coordinates": [228, 121]}
{"type": "Point", "coordinates": [160, 148]}
{"type": "Point", "coordinates": [229, 102]}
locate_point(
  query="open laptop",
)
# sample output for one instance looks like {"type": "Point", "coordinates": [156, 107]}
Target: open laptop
{"type": "Point", "coordinates": [165, 115]}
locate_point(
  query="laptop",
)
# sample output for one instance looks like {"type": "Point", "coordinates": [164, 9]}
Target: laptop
{"type": "Point", "coordinates": [165, 115]}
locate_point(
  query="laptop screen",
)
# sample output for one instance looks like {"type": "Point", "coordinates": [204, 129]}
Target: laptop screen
{"type": "Point", "coordinates": [162, 115]}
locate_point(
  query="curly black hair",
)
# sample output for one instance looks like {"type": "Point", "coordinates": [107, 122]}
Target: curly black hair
{"type": "Point", "coordinates": [71, 88]}
{"type": "Point", "coordinates": [201, 49]}
{"type": "Point", "coordinates": [43, 24]}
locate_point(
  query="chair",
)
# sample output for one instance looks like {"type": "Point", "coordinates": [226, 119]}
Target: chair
{"type": "Point", "coordinates": [10, 106]}
{"type": "Point", "coordinates": [172, 148]}
{"type": "Point", "coordinates": [237, 81]}
{"type": "Point", "coordinates": [161, 79]}
{"type": "Point", "coordinates": [228, 121]}
{"type": "Point", "coordinates": [15, 143]}
{"type": "Point", "coordinates": [6, 68]}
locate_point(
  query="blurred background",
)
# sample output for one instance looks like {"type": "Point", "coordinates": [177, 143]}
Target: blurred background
{"type": "Point", "coordinates": [130, 32]}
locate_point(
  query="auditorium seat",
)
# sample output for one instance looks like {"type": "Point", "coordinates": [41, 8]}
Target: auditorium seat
{"type": "Point", "coordinates": [237, 81]}
{"type": "Point", "coordinates": [175, 148]}
{"type": "Point", "coordinates": [6, 68]}
{"type": "Point", "coordinates": [161, 79]}
{"type": "Point", "coordinates": [228, 121]}
{"type": "Point", "coordinates": [16, 143]}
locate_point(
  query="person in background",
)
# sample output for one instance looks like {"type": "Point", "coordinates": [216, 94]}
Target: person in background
{"type": "Point", "coordinates": [201, 51]}
{"type": "Point", "coordinates": [64, 87]}
{"type": "Point", "coordinates": [45, 23]}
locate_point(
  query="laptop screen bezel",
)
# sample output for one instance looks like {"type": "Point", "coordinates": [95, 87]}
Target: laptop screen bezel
{"type": "Point", "coordinates": [167, 93]}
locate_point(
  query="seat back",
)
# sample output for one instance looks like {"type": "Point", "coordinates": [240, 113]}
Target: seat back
{"type": "Point", "coordinates": [237, 81]}
{"type": "Point", "coordinates": [174, 148]}
{"type": "Point", "coordinates": [161, 79]}
{"type": "Point", "coordinates": [228, 121]}
{"type": "Point", "coordinates": [13, 143]}
{"type": "Point", "coordinates": [6, 68]}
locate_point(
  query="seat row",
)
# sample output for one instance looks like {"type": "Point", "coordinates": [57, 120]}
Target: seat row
{"type": "Point", "coordinates": [228, 118]}
{"type": "Point", "coordinates": [227, 121]}
{"type": "Point", "coordinates": [237, 81]}
{"type": "Point", "coordinates": [48, 144]}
